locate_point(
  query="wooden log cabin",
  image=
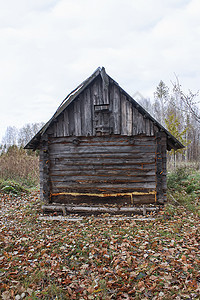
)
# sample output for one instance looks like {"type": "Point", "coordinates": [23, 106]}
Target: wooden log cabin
{"type": "Point", "coordinates": [102, 149]}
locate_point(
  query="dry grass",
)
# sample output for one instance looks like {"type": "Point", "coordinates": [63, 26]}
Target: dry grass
{"type": "Point", "coordinates": [192, 165]}
{"type": "Point", "coordinates": [17, 165]}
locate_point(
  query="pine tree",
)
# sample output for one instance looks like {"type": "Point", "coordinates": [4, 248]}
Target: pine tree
{"type": "Point", "coordinates": [161, 97]}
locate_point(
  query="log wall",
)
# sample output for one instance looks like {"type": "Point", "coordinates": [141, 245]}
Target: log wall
{"type": "Point", "coordinates": [109, 169]}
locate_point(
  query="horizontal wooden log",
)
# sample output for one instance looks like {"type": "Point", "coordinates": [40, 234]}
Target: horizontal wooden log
{"type": "Point", "coordinates": [103, 172]}
{"type": "Point", "coordinates": [144, 157]}
{"type": "Point", "coordinates": [92, 142]}
{"type": "Point", "coordinates": [115, 140]}
{"type": "Point", "coordinates": [90, 149]}
{"type": "Point", "coordinates": [97, 165]}
{"type": "Point", "coordinates": [97, 209]}
{"type": "Point", "coordinates": [101, 190]}
{"type": "Point", "coordinates": [105, 160]}
{"type": "Point", "coordinates": [88, 199]}
{"type": "Point", "coordinates": [91, 200]}
{"type": "Point", "coordinates": [101, 184]}
{"type": "Point", "coordinates": [104, 178]}
{"type": "Point", "coordinates": [144, 199]}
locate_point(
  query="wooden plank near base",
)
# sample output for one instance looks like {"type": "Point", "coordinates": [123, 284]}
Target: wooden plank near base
{"type": "Point", "coordinates": [98, 209]}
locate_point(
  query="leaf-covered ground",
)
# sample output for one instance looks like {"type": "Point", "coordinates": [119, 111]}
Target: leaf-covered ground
{"type": "Point", "coordinates": [97, 258]}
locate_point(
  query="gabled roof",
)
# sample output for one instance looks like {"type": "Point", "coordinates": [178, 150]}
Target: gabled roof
{"type": "Point", "coordinates": [172, 142]}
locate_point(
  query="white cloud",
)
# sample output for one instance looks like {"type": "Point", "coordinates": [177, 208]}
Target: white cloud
{"type": "Point", "coordinates": [49, 46]}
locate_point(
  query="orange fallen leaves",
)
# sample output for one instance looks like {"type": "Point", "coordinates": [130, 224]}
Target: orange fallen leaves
{"type": "Point", "coordinates": [183, 258]}
{"type": "Point", "coordinates": [97, 257]}
{"type": "Point", "coordinates": [192, 285]}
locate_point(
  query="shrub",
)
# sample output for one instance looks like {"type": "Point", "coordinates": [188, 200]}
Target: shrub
{"type": "Point", "coordinates": [12, 187]}
{"type": "Point", "coordinates": [17, 165]}
{"type": "Point", "coordinates": [184, 179]}
{"type": "Point", "coordinates": [176, 179]}
{"type": "Point", "coordinates": [184, 187]}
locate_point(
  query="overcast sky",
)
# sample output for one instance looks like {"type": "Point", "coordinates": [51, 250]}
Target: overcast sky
{"type": "Point", "coordinates": [48, 47]}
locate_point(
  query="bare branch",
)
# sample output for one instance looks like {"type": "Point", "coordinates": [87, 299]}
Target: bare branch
{"type": "Point", "coordinates": [188, 99]}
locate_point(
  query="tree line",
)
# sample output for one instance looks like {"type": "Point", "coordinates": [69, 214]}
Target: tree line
{"type": "Point", "coordinates": [178, 112]}
{"type": "Point", "coordinates": [19, 137]}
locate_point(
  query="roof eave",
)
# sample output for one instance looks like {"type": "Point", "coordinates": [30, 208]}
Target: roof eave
{"type": "Point", "coordinates": [175, 144]}
{"type": "Point", "coordinates": [34, 142]}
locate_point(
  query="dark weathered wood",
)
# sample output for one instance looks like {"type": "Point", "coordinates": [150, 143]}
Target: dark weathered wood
{"type": "Point", "coordinates": [142, 140]}
{"type": "Point", "coordinates": [41, 162]}
{"type": "Point", "coordinates": [91, 147]}
{"type": "Point", "coordinates": [83, 116]}
{"type": "Point", "coordinates": [54, 129]}
{"type": "Point", "coordinates": [159, 170]}
{"type": "Point", "coordinates": [78, 149]}
{"type": "Point", "coordinates": [124, 129]}
{"type": "Point", "coordinates": [102, 165]}
{"type": "Point", "coordinates": [95, 93]}
{"type": "Point", "coordinates": [102, 189]}
{"type": "Point", "coordinates": [144, 199]}
{"type": "Point", "coordinates": [127, 145]}
{"type": "Point", "coordinates": [116, 110]}
{"type": "Point", "coordinates": [129, 118]}
{"type": "Point", "coordinates": [104, 150]}
{"type": "Point", "coordinates": [86, 165]}
{"type": "Point", "coordinates": [164, 164]}
{"type": "Point", "coordinates": [45, 170]}
{"type": "Point", "coordinates": [58, 187]}
{"type": "Point", "coordinates": [105, 86]}
{"type": "Point", "coordinates": [77, 118]}
{"type": "Point", "coordinates": [61, 164]}
{"type": "Point", "coordinates": [135, 121]}
{"type": "Point", "coordinates": [140, 124]}
{"type": "Point", "coordinates": [91, 200]}
{"type": "Point", "coordinates": [142, 182]}
{"type": "Point", "coordinates": [152, 132]}
{"type": "Point", "coordinates": [66, 123]}
{"type": "Point", "coordinates": [58, 126]}
{"type": "Point", "coordinates": [129, 173]}
{"type": "Point", "coordinates": [71, 119]}
{"type": "Point", "coordinates": [88, 113]}
{"type": "Point", "coordinates": [102, 160]}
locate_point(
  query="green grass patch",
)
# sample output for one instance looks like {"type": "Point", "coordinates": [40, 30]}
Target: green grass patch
{"type": "Point", "coordinates": [184, 186]}
{"type": "Point", "coordinates": [12, 187]}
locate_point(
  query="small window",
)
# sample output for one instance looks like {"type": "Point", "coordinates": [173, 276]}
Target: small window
{"type": "Point", "coordinates": [102, 107]}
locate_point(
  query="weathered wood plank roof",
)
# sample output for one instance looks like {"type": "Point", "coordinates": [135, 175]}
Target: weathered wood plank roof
{"type": "Point", "coordinates": [172, 142]}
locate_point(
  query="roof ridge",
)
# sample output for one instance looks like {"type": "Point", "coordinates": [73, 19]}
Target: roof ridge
{"type": "Point", "coordinates": [99, 69]}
